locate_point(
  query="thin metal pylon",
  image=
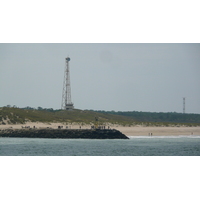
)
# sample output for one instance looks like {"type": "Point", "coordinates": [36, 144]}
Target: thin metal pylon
{"type": "Point", "coordinates": [66, 95]}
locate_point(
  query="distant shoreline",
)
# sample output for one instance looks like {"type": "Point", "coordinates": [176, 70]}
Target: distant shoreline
{"type": "Point", "coordinates": [128, 131]}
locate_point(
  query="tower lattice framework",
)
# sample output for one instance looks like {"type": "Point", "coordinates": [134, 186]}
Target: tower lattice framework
{"type": "Point", "coordinates": [183, 105]}
{"type": "Point", "coordinates": [66, 95]}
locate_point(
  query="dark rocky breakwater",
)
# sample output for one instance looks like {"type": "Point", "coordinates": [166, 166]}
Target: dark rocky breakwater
{"type": "Point", "coordinates": [64, 133]}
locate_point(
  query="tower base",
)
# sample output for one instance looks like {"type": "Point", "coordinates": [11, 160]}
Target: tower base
{"type": "Point", "coordinates": [69, 106]}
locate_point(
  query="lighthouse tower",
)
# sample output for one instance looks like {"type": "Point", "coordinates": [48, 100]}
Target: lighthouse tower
{"type": "Point", "coordinates": [66, 95]}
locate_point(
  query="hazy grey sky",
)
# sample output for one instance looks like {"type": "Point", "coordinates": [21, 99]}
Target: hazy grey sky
{"type": "Point", "coordinates": [120, 77]}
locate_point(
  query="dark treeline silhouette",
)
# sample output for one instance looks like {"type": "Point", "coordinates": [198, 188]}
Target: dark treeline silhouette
{"type": "Point", "coordinates": [39, 108]}
{"type": "Point", "coordinates": [158, 117]}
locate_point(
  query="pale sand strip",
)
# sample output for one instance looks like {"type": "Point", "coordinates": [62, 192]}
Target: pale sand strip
{"type": "Point", "coordinates": [159, 131]}
{"type": "Point", "coordinates": [39, 125]}
{"type": "Point", "coordinates": [129, 131]}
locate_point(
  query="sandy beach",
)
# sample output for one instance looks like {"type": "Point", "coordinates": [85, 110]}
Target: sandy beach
{"type": "Point", "coordinates": [128, 131]}
{"type": "Point", "coordinates": [159, 131]}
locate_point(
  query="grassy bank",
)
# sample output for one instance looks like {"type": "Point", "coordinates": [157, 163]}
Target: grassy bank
{"type": "Point", "coordinates": [11, 115]}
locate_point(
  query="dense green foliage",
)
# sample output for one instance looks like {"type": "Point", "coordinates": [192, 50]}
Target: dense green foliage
{"type": "Point", "coordinates": [158, 117]}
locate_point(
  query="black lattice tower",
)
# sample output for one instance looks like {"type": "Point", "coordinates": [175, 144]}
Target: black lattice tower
{"type": "Point", "coordinates": [183, 105]}
{"type": "Point", "coordinates": [66, 95]}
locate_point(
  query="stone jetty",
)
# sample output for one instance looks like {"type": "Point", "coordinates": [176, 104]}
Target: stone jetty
{"type": "Point", "coordinates": [64, 133]}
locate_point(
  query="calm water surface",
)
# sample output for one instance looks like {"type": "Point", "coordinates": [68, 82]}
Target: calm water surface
{"type": "Point", "coordinates": [136, 146]}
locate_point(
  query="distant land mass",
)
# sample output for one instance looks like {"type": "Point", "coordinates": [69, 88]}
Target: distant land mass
{"type": "Point", "coordinates": [171, 117]}
{"type": "Point", "coordinates": [14, 115]}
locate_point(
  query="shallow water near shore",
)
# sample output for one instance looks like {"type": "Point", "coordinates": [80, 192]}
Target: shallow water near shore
{"type": "Point", "coordinates": [136, 146]}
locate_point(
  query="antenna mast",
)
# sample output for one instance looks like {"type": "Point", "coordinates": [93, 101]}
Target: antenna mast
{"type": "Point", "coordinates": [183, 105]}
{"type": "Point", "coordinates": [66, 95]}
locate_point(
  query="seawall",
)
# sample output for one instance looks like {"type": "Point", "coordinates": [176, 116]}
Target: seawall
{"type": "Point", "coordinates": [64, 133]}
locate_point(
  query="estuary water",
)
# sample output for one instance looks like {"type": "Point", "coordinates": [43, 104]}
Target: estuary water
{"type": "Point", "coordinates": [135, 146]}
